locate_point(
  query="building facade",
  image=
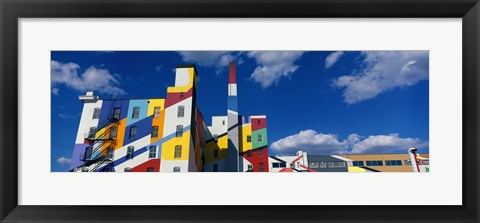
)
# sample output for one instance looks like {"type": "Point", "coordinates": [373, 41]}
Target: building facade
{"type": "Point", "coordinates": [168, 134]}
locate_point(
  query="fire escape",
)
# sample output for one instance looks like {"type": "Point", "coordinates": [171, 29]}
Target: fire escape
{"type": "Point", "coordinates": [104, 141]}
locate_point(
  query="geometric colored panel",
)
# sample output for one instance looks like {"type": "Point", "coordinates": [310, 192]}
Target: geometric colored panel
{"type": "Point", "coordinates": [108, 108]}
{"type": "Point", "coordinates": [144, 128]}
{"type": "Point", "coordinates": [142, 105]}
{"type": "Point", "coordinates": [258, 123]}
{"type": "Point", "coordinates": [255, 135]}
{"type": "Point", "coordinates": [151, 163]}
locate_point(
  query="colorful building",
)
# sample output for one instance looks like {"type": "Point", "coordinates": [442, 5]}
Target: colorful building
{"type": "Point", "coordinates": [168, 134]}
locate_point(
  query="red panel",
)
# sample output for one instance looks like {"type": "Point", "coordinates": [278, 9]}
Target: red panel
{"type": "Point", "coordinates": [232, 74]}
{"type": "Point", "coordinates": [258, 123]}
{"type": "Point", "coordinates": [155, 163]}
{"type": "Point", "coordinates": [256, 160]}
{"type": "Point", "coordinates": [175, 97]}
{"type": "Point", "coordinates": [298, 158]}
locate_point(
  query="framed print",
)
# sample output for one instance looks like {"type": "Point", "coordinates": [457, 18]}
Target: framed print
{"type": "Point", "coordinates": [230, 111]}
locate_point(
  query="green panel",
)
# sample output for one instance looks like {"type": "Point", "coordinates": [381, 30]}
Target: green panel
{"type": "Point", "coordinates": [255, 143]}
{"type": "Point", "coordinates": [427, 169]}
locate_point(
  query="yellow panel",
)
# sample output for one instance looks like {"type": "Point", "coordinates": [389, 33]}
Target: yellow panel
{"type": "Point", "coordinates": [191, 74]}
{"type": "Point", "coordinates": [356, 169]}
{"type": "Point", "coordinates": [120, 134]}
{"type": "Point", "coordinates": [154, 103]}
{"type": "Point", "coordinates": [246, 131]}
{"type": "Point", "coordinates": [168, 147]}
{"type": "Point", "coordinates": [221, 145]}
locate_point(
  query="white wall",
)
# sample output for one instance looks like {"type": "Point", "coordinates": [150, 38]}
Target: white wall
{"type": "Point", "coordinates": [86, 120]}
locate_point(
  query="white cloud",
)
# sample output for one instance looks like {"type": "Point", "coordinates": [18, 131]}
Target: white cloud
{"type": "Point", "coordinates": [64, 160]}
{"type": "Point", "coordinates": [273, 65]}
{"type": "Point", "coordinates": [93, 78]}
{"type": "Point", "coordinates": [332, 58]}
{"type": "Point", "coordinates": [55, 91]}
{"type": "Point", "coordinates": [313, 142]}
{"type": "Point", "coordinates": [383, 71]}
{"type": "Point", "coordinates": [65, 116]}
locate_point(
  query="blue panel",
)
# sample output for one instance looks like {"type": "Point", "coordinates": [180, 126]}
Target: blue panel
{"type": "Point", "coordinates": [143, 105]}
{"type": "Point", "coordinates": [232, 103]}
{"type": "Point", "coordinates": [107, 110]}
{"type": "Point", "coordinates": [144, 128]}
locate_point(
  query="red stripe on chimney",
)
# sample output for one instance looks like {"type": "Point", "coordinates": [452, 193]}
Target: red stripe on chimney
{"type": "Point", "coordinates": [232, 74]}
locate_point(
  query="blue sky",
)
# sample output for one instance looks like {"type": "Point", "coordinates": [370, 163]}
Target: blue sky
{"type": "Point", "coordinates": [322, 102]}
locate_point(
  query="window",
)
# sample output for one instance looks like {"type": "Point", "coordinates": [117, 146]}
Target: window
{"type": "Point", "coordinates": [109, 155]}
{"type": "Point", "coordinates": [215, 137]}
{"type": "Point", "coordinates": [393, 162]}
{"type": "Point", "coordinates": [178, 152]}
{"type": "Point", "coordinates": [176, 169]}
{"type": "Point", "coordinates": [250, 168]}
{"type": "Point", "coordinates": [374, 163]}
{"type": "Point", "coordinates": [258, 122]}
{"type": "Point", "coordinates": [279, 165]}
{"type": "Point", "coordinates": [84, 169]}
{"type": "Point", "coordinates": [261, 167]}
{"type": "Point", "coordinates": [249, 138]}
{"type": "Point", "coordinates": [179, 132]}
{"type": "Point", "coordinates": [322, 164]}
{"type": "Point", "coordinates": [136, 112]}
{"type": "Point", "coordinates": [127, 169]}
{"type": "Point", "coordinates": [91, 132]}
{"type": "Point", "coordinates": [223, 122]}
{"type": "Point", "coordinates": [181, 111]}
{"type": "Point", "coordinates": [260, 153]}
{"type": "Point", "coordinates": [96, 113]}
{"type": "Point", "coordinates": [215, 153]}
{"type": "Point", "coordinates": [336, 164]}
{"type": "Point", "coordinates": [88, 153]}
{"type": "Point", "coordinates": [426, 162]}
{"type": "Point", "coordinates": [313, 165]}
{"type": "Point", "coordinates": [182, 94]}
{"type": "Point", "coordinates": [156, 112]}
{"type": "Point", "coordinates": [154, 131]}
{"type": "Point", "coordinates": [133, 132]}
{"type": "Point", "coordinates": [152, 152]}
{"type": "Point", "coordinates": [407, 162]}
{"type": "Point", "coordinates": [130, 151]}
{"type": "Point", "coordinates": [215, 167]}
{"type": "Point", "coordinates": [260, 138]}
{"type": "Point", "coordinates": [150, 169]}
{"type": "Point", "coordinates": [113, 133]}
{"type": "Point", "coordinates": [358, 163]}
{"type": "Point", "coordinates": [116, 113]}
{"type": "Point", "coordinates": [249, 153]}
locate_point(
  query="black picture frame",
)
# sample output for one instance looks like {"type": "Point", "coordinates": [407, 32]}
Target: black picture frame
{"type": "Point", "coordinates": [11, 11]}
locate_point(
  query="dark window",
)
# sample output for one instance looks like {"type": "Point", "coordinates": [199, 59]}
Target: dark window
{"type": "Point", "coordinates": [133, 132]}
{"type": "Point", "coordinates": [374, 163]}
{"type": "Point", "coordinates": [113, 133]}
{"type": "Point", "coordinates": [408, 162]}
{"type": "Point", "coordinates": [181, 111]}
{"type": "Point", "coordinates": [322, 164]}
{"type": "Point", "coordinates": [136, 112]}
{"type": "Point", "coordinates": [154, 131]}
{"type": "Point", "coordinates": [88, 153]}
{"type": "Point", "coordinates": [181, 94]}
{"type": "Point", "coordinates": [179, 132]}
{"type": "Point", "coordinates": [249, 153]}
{"type": "Point", "coordinates": [92, 132]}
{"type": "Point", "coordinates": [393, 162]}
{"type": "Point", "coordinates": [96, 113]}
{"type": "Point", "coordinates": [283, 165]}
{"type": "Point", "coordinates": [152, 152]}
{"type": "Point", "coordinates": [116, 113]}
{"type": "Point", "coordinates": [223, 122]}
{"type": "Point", "coordinates": [249, 138]}
{"type": "Point", "coordinates": [130, 151]}
{"type": "Point", "coordinates": [313, 164]}
{"type": "Point", "coordinates": [150, 169]}
{"type": "Point", "coordinates": [109, 155]}
{"type": "Point", "coordinates": [260, 153]}
{"type": "Point", "coordinates": [215, 167]}
{"type": "Point", "coordinates": [176, 169]}
{"type": "Point", "coordinates": [275, 165]}
{"type": "Point", "coordinates": [178, 152]}
{"type": "Point", "coordinates": [261, 167]}
{"type": "Point", "coordinates": [250, 168]}
{"type": "Point", "coordinates": [358, 163]}
{"type": "Point", "coordinates": [260, 138]}
{"type": "Point", "coordinates": [156, 112]}
{"type": "Point", "coordinates": [215, 153]}
{"type": "Point", "coordinates": [258, 122]}
{"type": "Point", "coordinates": [127, 169]}
{"type": "Point", "coordinates": [215, 137]}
